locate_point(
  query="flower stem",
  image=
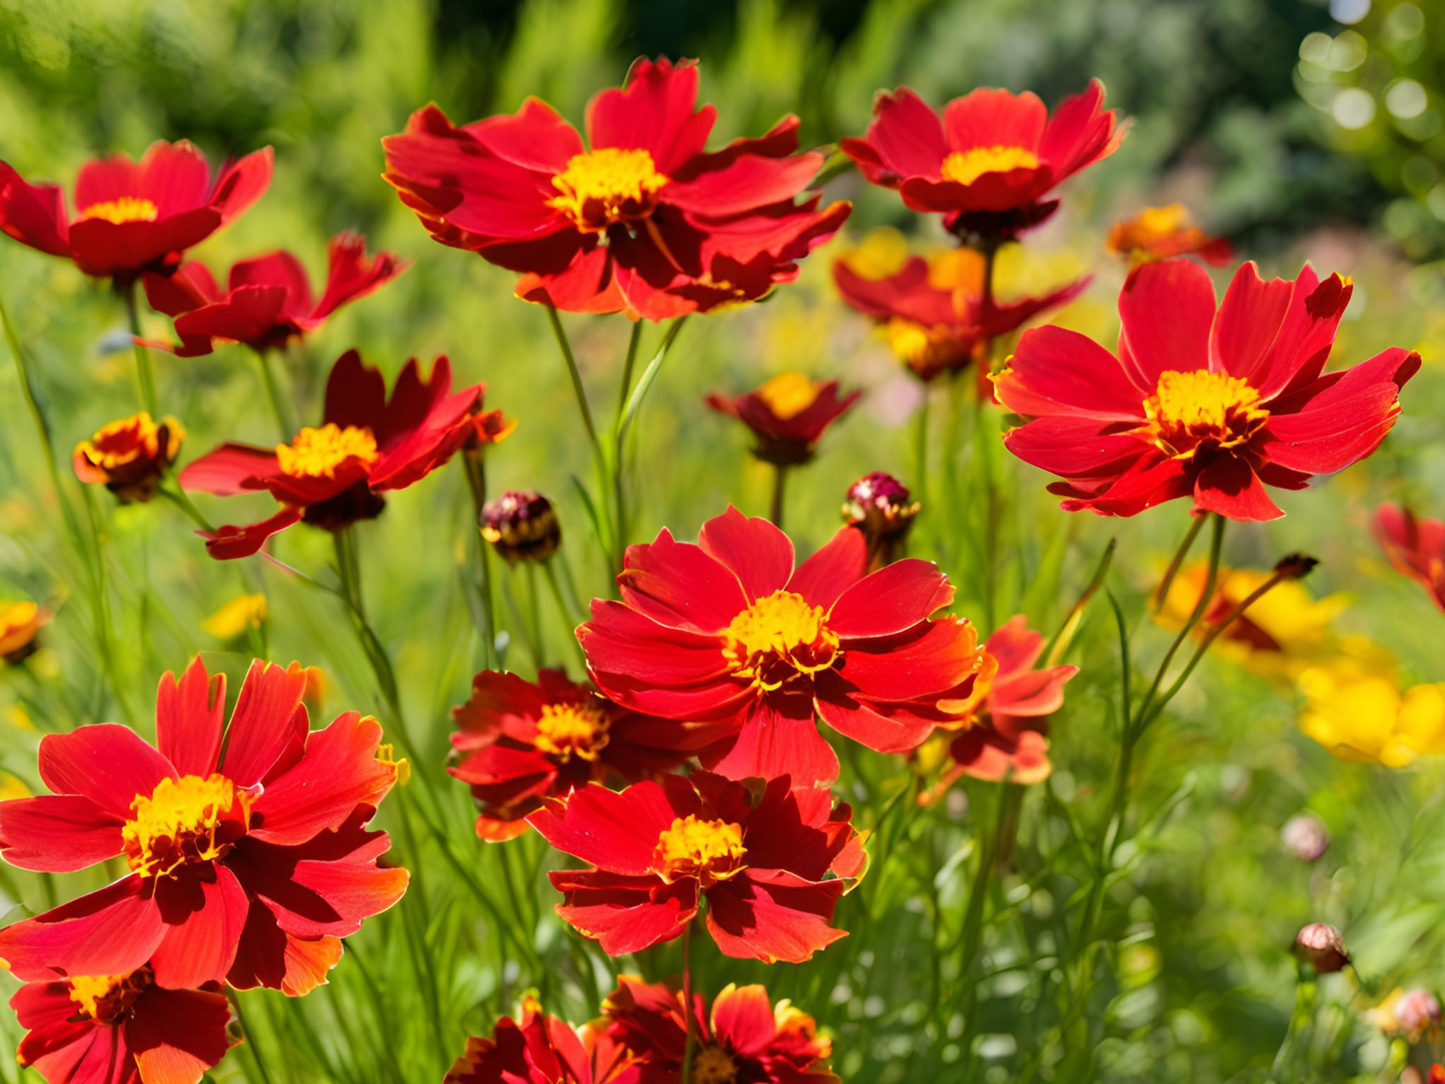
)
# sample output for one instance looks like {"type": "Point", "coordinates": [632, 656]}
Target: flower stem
{"type": "Point", "coordinates": [599, 456]}
{"type": "Point", "coordinates": [780, 481]}
{"type": "Point", "coordinates": [254, 1046]}
{"type": "Point", "coordinates": [476, 471]}
{"type": "Point", "coordinates": [1196, 524]}
{"type": "Point", "coordinates": [920, 452]}
{"type": "Point", "coordinates": [145, 376]}
{"type": "Point", "coordinates": [689, 1030]}
{"type": "Point", "coordinates": [619, 494]}
{"type": "Point", "coordinates": [280, 410]}
{"type": "Point", "coordinates": [568, 620]}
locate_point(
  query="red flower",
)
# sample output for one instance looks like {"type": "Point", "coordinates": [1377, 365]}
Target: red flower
{"type": "Point", "coordinates": [335, 474]}
{"type": "Point", "coordinates": [268, 298]}
{"type": "Point", "coordinates": [1007, 738]}
{"type": "Point", "coordinates": [787, 415]}
{"type": "Point", "coordinates": [645, 220]}
{"type": "Point", "coordinates": [130, 456]}
{"type": "Point", "coordinates": [119, 1029]}
{"type": "Point", "coordinates": [1161, 233]}
{"type": "Point", "coordinates": [990, 159]}
{"type": "Point", "coordinates": [1213, 406]}
{"type": "Point", "coordinates": [133, 216]}
{"type": "Point", "coordinates": [727, 631]}
{"type": "Point", "coordinates": [771, 870]}
{"type": "Point", "coordinates": [246, 867]}
{"type": "Point", "coordinates": [522, 741]}
{"type": "Point", "coordinates": [1416, 547]}
{"type": "Point", "coordinates": [935, 321]}
{"type": "Point", "coordinates": [542, 1050]}
{"type": "Point", "coordinates": [744, 1039]}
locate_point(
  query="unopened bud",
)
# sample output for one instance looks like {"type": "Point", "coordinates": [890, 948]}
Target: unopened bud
{"type": "Point", "coordinates": [879, 505]}
{"type": "Point", "coordinates": [1295, 567]}
{"type": "Point", "coordinates": [1321, 947]}
{"type": "Point", "coordinates": [1417, 1011]}
{"type": "Point", "coordinates": [521, 526]}
{"type": "Point", "coordinates": [1305, 838]}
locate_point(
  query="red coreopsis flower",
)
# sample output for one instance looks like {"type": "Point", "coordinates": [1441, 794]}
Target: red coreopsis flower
{"type": "Point", "coordinates": [129, 457]}
{"type": "Point", "coordinates": [935, 318]}
{"type": "Point", "coordinates": [728, 631]}
{"type": "Point", "coordinates": [1415, 546]}
{"type": "Point", "coordinates": [133, 216]}
{"type": "Point", "coordinates": [639, 218]}
{"type": "Point", "coordinates": [989, 160]}
{"type": "Point", "coordinates": [268, 299]}
{"type": "Point", "coordinates": [1161, 233]}
{"type": "Point", "coordinates": [520, 741]}
{"type": "Point", "coordinates": [1007, 739]}
{"type": "Point", "coordinates": [247, 867]}
{"type": "Point", "coordinates": [787, 415]}
{"type": "Point", "coordinates": [335, 474]}
{"type": "Point", "coordinates": [743, 1039]}
{"type": "Point", "coordinates": [542, 1049]}
{"type": "Point", "coordinates": [1212, 406]}
{"type": "Point", "coordinates": [770, 869]}
{"type": "Point", "coordinates": [120, 1029]}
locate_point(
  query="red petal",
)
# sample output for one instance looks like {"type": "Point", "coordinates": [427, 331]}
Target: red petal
{"type": "Point", "coordinates": [906, 136]}
{"type": "Point", "coordinates": [57, 833]}
{"type": "Point", "coordinates": [833, 569]}
{"type": "Point", "coordinates": [267, 718]}
{"type": "Point", "coordinates": [176, 1035]}
{"type": "Point", "coordinates": [616, 832]}
{"type": "Point", "coordinates": [1080, 133]}
{"type": "Point", "coordinates": [230, 542]}
{"type": "Point", "coordinates": [623, 642]}
{"type": "Point", "coordinates": [624, 914]}
{"type": "Point", "coordinates": [241, 183]}
{"type": "Point", "coordinates": [654, 111]}
{"type": "Point", "coordinates": [986, 117]}
{"type": "Point", "coordinates": [1230, 487]}
{"type": "Point", "coordinates": [760, 555]}
{"type": "Point", "coordinates": [1076, 448]}
{"type": "Point", "coordinates": [748, 183]}
{"type": "Point", "coordinates": [743, 1020]}
{"type": "Point", "coordinates": [890, 600]}
{"type": "Point", "coordinates": [771, 916]}
{"type": "Point", "coordinates": [111, 931]}
{"type": "Point", "coordinates": [230, 469]}
{"type": "Point", "coordinates": [891, 728]}
{"type": "Point", "coordinates": [32, 214]}
{"type": "Point", "coordinates": [188, 718]}
{"type": "Point", "coordinates": [1056, 371]}
{"type": "Point", "coordinates": [679, 585]}
{"type": "Point", "coordinates": [1167, 309]}
{"type": "Point", "coordinates": [1249, 320]}
{"type": "Point", "coordinates": [771, 744]}
{"type": "Point", "coordinates": [204, 919]}
{"type": "Point", "coordinates": [267, 956]}
{"type": "Point", "coordinates": [106, 762]}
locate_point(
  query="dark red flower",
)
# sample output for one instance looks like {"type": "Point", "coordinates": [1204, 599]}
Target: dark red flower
{"type": "Point", "coordinates": [989, 160]}
{"type": "Point", "coordinates": [130, 456]}
{"type": "Point", "coordinates": [1161, 233]}
{"type": "Point", "coordinates": [520, 742]}
{"type": "Point", "coordinates": [787, 415]}
{"type": "Point", "coordinates": [1415, 546]}
{"type": "Point", "coordinates": [771, 868]}
{"type": "Point", "coordinates": [743, 1039]}
{"type": "Point", "coordinates": [1213, 406]}
{"type": "Point", "coordinates": [133, 216]}
{"type": "Point", "coordinates": [727, 631]}
{"type": "Point", "coordinates": [640, 218]}
{"type": "Point", "coordinates": [247, 867]}
{"type": "Point", "coordinates": [120, 1029]}
{"type": "Point", "coordinates": [881, 508]}
{"type": "Point", "coordinates": [267, 300]}
{"type": "Point", "coordinates": [542, 1050]}
{"type": "Point", "coordinates": [935, 320]}
{"type": "Point", "coordinates": [335, 474]}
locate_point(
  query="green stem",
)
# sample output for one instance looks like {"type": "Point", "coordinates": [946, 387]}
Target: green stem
{"type": "Point", "coordinates": [920, 452]}
{"type": "Point", "coordinates": [599, 456]}
{"type": "Point", "coordinates": [253, 1046]}
{"type": "Point", "coordinates": [476, 471]}
{"type": "Point", "coordinates": [178, 498]}
{"type": "Point", "coordinates": [280, 410]}
{"type": "Point", "coordinates": [568, 620]}
{"type": "Point", "coordinates": [1196, 524]}
{"type": "Point", "coordinates": [780, 481]}
{"type": "Point", "coordinates": [145, 377]}
{"type": "Point", "coordinates": [619, 490]}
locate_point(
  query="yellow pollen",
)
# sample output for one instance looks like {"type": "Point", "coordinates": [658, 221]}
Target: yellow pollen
{"type": "Point", "coordinates": [778, 637]}
{"type": "Point", "coordinates": [1188, 409]}
{"type": "Point", "coordinates": [713, 1066]}
{"type": "Point", "coordinates": [316, 453]}
{"type": "Point", "coordinates": [789, 394]}
{"type": "Point", "coordinates": [691, 847]}
{"type": "Point", "coordinates": [183, 821]}
{"type": "Point", "coordinates": [568, 730]}
{"type": "Point", "coordinates": [606, 186]}
{"type": "Point", "coordinates": [125, 209]}
{"type": "Point", "coordinates": [965, 167]}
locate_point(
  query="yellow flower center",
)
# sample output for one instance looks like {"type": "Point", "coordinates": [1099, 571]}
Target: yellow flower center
{"type": "Point", "coordinates": [965, 167]}
{"type": "Point", "coordinates": [606, 186]}
{"type": "Point", "coordinates": [107, 999]}
{"type": "Point", "coordinates": [1191, 409]}
{"type": "Point", "coordinates": [125, 209]}
{"type": "Point", "coordinates": [779, 637]}
{"type": "Point", "coordinates": [122, 442]}
{"type": "Point", "coordinates": [183, 821]}
{"type": "Point", "coordinates": [692, 847]}
{"type": "Point", "coordinates": [713, 1066]}
{"type": "Point", "coordinates": [316, 453]}
{"type": "Point", "coordinates": [568, 730]}
{"type": "Point", "coordinates": [789, 394]}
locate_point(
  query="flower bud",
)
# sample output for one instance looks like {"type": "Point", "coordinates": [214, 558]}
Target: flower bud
{"type": "Point", "coordinates": [1295, 566]}
{"type": "Point", "coordinates": [1305, 838]}
{"type": "Point", "coordinates": [521, 526]}
{"type": "Point", "coordinates": [1418, 1012]}
{"type": "Point", "coordinates": [1321, 947]}
{"type": "Point", "coordinates": [878, 504]}
{"type": "Point", "coordinates": [130, 456]}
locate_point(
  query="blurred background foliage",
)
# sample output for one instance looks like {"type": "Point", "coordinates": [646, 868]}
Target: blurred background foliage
{"type": "Point", "coordinates": [1299, 130]}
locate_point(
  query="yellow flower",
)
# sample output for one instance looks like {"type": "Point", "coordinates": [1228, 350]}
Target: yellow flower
{"type": "Point", "coordinates": [1362, 716]}
{"type": "Point", "coordinates": [12, 787]}
{"type": "Point", "coordinates": [880, 253]}
{"type": "Point", "coordinates": [235, 617]}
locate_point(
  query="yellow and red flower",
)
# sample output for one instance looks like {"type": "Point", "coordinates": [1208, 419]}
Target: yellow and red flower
{"type": "Point", "coordinates": [20, 623]}
{"type": "Point", "coordinates": [520, 741]}
{"type": "Point", "coordinates": [1162, 233]}
{"type": "Point", "coordinates": [989, 159]}
{"type": "Point", "coordinates": [542, 1049]}
{"type": "Point", "coordinates": [120, 1029]}
{"type": "Point", "coordinates": [787, 415]}
{"type": "Point", "coordinates": [742, 1039]}
{"type": "Point", "coordinates": [1415, 546]}
{"type": "Point", "coordinates": [130, 456]}
{"type": "Point", "coordinates": [246, 867]}
{"type": "Point", "coordinates": [640, 218]}
{"type": "Point", "coordinates": [268, 299]}
{"type": "Point", "coordinates": [1214, 406]}
{"type": "Point", "coordinates": [334, 474]}
{"type": "Point", "coordinates": [521, 525]}
{"type": "Point", "coordinates": [771, 868]}
{"type": "Point", "coordinates": [729, 632]}
{"type": "Point", "coordinates": [133, 216]}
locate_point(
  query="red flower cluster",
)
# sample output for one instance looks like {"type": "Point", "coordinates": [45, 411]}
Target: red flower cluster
{"type": "Point", "coordinates": [1415, 546]}
{"type": "Point", "coordinates": [133, 216]}
{"type": "Point", "coordinates": [542, 1049]}
{"type": "Point", "coordinates": [787, 415]}
{"type": "Point", "coordinates": [640, 218]}
{"type": "Point", "coordinates": [729, 632]}
{"type": "Point", "coordinates": [1210, 405]}
{"type": "Point", "coordinates": [335, 474]}
{"type": "Point", "coordinates": [268, 299]}
{"type": "Point", "coordinates": [770, 869]}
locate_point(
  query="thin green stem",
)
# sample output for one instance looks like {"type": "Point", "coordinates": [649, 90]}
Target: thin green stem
{"type": "Point", "coordinates": [145, 376]}
{"type": "Point", "coordinates": [253, 1046]}
{"type": "Point", "coordinates": [599, 456]}
{"type": "Point", "coordinates": [1196, 524]}
{"type": "Point", "coordinates": [568, 619]}
{"type": "Point", "coordinates": [280, 408]}
{"type": "Point", "coordinates": [619, 489]}
{"type": "Point", "coordinates": [920, 452]}
{"type": "Point", "coordinates": [780, 481]}
{"type": "Point", "coordinates": [178, 498]}
{"type": "Point", "coordinates": [476, 471]}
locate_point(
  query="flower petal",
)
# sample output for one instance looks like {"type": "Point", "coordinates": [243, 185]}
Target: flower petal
{"type": "Point", "coordinates": [106, 762]}
{"type": "Point", "coordinates": [204, 916]}
{"type": "Point", "coordinates": [891, 600]}
{"type": "Point", "coordinates": [760, 555]}
{"type": "Point", "coordinates": [624, 914]}
{"type": "Point", "coordinates": [188, 718]}
{"type": "Point", "coordinates": [111, 931]}
{"type": "Point", "coordinates": [57, 833]}
{"type": "Point", "coordinates": [770, 915]}
{"type": "Point", "coordinates": [1167, 309]}
{"type": "Point", "coordinates": [616, 832]}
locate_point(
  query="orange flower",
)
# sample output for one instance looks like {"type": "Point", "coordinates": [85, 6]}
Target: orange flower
{"type": "Point", "coordinates": [19, 622]}
{"type": "Point", "coordinates": [1161, 233]}
{"type": "Point", "coordinates": [130, 456]}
